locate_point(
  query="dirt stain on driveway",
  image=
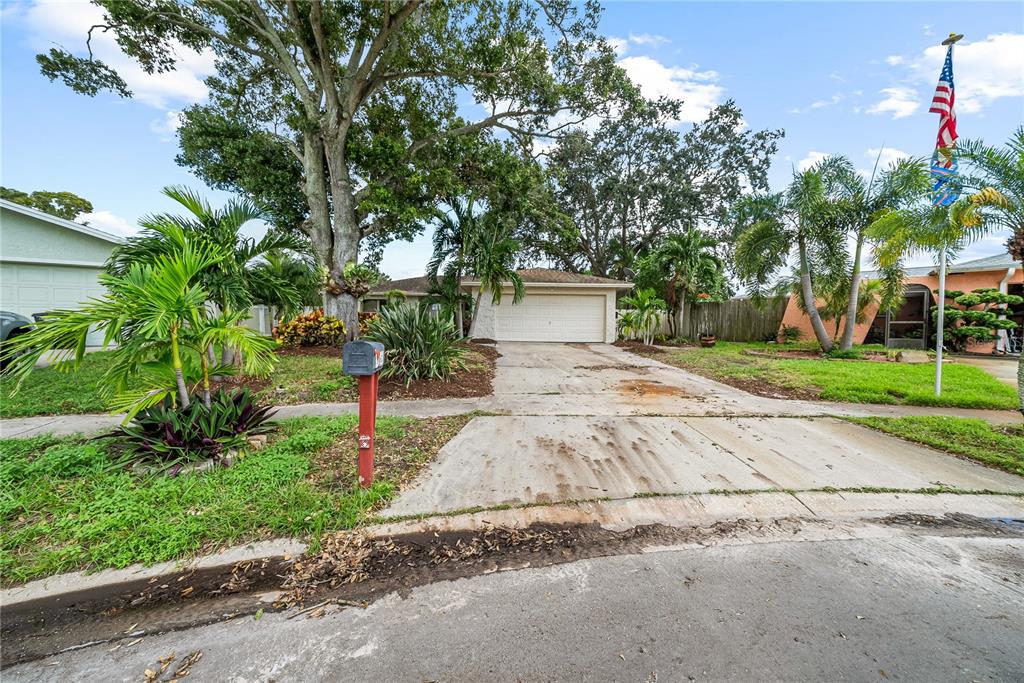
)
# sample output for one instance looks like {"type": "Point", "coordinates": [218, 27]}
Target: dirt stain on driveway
{"type": "Point", "coordinates": [641, 388]}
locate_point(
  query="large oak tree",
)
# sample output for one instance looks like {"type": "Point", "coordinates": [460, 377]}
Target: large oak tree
{"type": "Point", "coordinates": [364, 104]}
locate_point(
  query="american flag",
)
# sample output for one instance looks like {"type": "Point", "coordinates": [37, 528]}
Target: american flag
{"type": "Point", "coordinates": [944, 166]}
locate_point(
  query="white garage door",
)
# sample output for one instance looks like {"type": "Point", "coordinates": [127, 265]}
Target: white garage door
{"type": "Point", "coordinates": [552, 318]}
{"type": "Point", "coordinates": [30, 288]}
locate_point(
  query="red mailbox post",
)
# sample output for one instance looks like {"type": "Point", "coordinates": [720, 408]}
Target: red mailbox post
{"type": "Point", "coordinates": [364, 360]}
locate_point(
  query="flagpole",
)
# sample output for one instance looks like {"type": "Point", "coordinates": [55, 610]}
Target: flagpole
{"type": "Point", "coordinates": [940, 320]}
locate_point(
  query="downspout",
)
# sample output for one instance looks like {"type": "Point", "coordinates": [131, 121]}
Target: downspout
{"type": "Point", "coordinates": [1002, 343]}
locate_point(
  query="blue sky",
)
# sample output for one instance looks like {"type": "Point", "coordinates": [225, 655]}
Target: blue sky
{"type": "Point", "coordinates": [840, 78]}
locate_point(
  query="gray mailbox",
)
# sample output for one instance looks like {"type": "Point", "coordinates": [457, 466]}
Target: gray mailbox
{"type": "Point", "coordinates": [361, 358]}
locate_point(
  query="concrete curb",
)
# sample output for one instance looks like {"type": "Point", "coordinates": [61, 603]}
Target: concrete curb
{"type": "Point", "coordinates": [66, 590]}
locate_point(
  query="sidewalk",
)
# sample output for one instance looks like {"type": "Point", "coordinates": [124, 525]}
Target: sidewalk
{"type": "Point", "coordinates": [527, 405]}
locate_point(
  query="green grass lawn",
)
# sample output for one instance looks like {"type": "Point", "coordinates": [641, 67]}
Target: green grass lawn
{"type": "Point", "coordinates": [853, 381]}
{"type": "Point", "coordinates": [1001, 446]}
{"type": "Point", "coordinates": [63, 506]}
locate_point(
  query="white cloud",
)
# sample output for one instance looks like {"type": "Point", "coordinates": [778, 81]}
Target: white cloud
{"type": "Point", "coordinates": [818, 104]}
{"type": "Point", "coordinates": [984, 71]}
{"type": "Point", "coordinates": [699, 90]}
{"type": "Point", "coordinates": [107, 222]}
{"type": "Point", "coordinates": [167, 126]}
{"type": "Point", "coordinates": [66, 23]}
{"type": "Point", "coordinates": [651, 39]}
{"type": "Point", "coordinates": [901, 102]}
{"type": "Point", "coordinates": [886, 156]}
{"type": "Point", "coordinates": [810, 160]}
{"type": "Point", "coordinates": [894, 60]}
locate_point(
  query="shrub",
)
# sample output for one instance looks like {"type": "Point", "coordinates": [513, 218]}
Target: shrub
{"type": "Point", "coordinates": [365, 318]}
{"type": "Point", "coordinates": [170, 435]}
{"type": "Point", "coordinates": [416, 345]}
{"type": "Point", "coordinates": [311, 329]}
{"type": "Point", "coordinates": [790, 333]}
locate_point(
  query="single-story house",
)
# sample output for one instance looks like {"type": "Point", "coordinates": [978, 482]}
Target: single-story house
{"type": "Point", "coordinates": [48, 262]}
{"type": "Point", "coordinates": [558, 306]}
{"type": "Point", "coordinates": [911, 326]}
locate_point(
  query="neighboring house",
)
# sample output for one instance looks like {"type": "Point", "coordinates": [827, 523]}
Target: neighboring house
{"type": "Point", "coordinates": [48, 262]}
{"type": "Point", "coordinates": [558, 306]}
{"type": "Point", "coordinates": [911, 326]}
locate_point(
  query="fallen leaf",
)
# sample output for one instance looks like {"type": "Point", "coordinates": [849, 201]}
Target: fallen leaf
{"type": "Point", "coordinates": [258, 615]}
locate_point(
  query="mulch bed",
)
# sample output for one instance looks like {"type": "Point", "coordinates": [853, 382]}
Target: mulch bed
{"type": "Point", "coordinates": [637, 347]}
{"type": "Point", "coordinates": [476, 380]}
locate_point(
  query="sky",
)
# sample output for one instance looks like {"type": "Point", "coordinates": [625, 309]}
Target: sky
{"type": "Point", "coordinates": [838, 77]}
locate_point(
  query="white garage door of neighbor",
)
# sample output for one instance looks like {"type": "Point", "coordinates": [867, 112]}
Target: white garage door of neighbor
{"type": "Point", "coordinates": [29, 288]}
{"type": "Point", "coordinates": [551, 318]}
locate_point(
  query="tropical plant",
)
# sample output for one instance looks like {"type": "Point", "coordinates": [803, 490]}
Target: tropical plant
{"type": "Point", "coordinates": [683, 265]}
{"type": "Point", "coordinates": [454, 240]}
{"type": "Point", "coordinates": [156, 313]}
{"type": "Point", "coordinates": [170, 435]}
{"type": "Point", "coordinates": [416, 345]}
{"type": "Point", "coordinates": [492, 262]}
{"type": "Point", "coordinates": [311, 329]}
{"type": "Point", "coordinates": [643, 314]}
{"type": "Point", "coordinates": [1003, 169]}
{"type": "Point", "coordinates": [853, 203]}
{"type": "Point", "coordinates": [231, 281]}
{"type": "Point", "coordinates": [771, 228]}
{"type": "Point", "coordinates": [295, 268]}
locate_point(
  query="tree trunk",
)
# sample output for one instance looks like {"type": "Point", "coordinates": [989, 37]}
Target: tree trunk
{"type": "Point", "coordinates": [1020, 382]}
{"type": "Point", "coordinates": [458, 318]}
{"type": "Point", "coordinates": [474, 312]}
{"type": "Point", "coordinates": [851, 305]}
{"type": "Point", "coordinates": [345, 236]}
{"type": "Point", "coordinates": [824, 340]}
{"type": "Point", "coordinates": [179, 376]}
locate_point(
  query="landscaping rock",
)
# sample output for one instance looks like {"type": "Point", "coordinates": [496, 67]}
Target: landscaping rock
{"type": "Point", "coordinates": [912, 357]}
{"type": "Point", "coordinates": [257, 442]}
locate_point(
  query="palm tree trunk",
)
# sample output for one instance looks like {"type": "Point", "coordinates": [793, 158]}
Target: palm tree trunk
{"type": "Point", "coordinates": [473, 314]}
{"type": "Point", "coordinates": [206, 379]}
{"type": "Point", "coordinates": [179, 375]}
{"type": "Point", "coordinates": [1020, 382]}
{"type": "Point", "coordinates": [851, 305]}
{"type": "Point", "coordinates": [824, 341]}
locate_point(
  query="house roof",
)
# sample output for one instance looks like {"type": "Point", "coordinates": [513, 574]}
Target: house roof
{"type": "Point", "coordinates": [997, 262]}
{"type": "Point", "coordinates": [62, 222]}
{"type": "Point", "coordinates": [530, 276]}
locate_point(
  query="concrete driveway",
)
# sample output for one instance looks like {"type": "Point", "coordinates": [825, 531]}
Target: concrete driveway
{"type": "Point", "coordinates": [628, 425]}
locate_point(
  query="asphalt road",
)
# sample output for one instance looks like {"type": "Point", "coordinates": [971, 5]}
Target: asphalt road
{"type": "Point", "coordinates": [895, 604]}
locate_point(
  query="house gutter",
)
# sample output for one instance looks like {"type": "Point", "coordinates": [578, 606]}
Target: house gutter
{"type": "Point", "coordinates": [1002, 344]}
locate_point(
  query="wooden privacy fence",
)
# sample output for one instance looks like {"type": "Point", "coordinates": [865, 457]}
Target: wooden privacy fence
{"type": "Point", "coordinates": [732, 320]}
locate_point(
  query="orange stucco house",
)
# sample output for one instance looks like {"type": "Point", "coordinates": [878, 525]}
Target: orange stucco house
{"type": "Point", "coordinates": [911, 326]}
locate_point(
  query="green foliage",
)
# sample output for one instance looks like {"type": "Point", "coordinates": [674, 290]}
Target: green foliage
{"type": "Point", "coordinates": [635, 179]}
{"type": "Point", "coordinates": [681, 266]}
{"type": "Point", "coordinates": [417, 346]}
{"type": "Point", "coordinates": [969, 324]}
{"type": "Point", "coordinates": [169, 435]}
{"type": "Point", "coordinates": [311, 329]}
{"type": "Point", "coordinates": [50, 391]}
{"type": "Point", "coordinates": [996, 445]}
{"type": "Point", "coordinates": [297, 269]}
{"type": "Point", "coordinates": [643, 315]}
{"type": "Point", "coordinates": [64, 205]}
{"type": "Point", "coordinates": [156, 312]}
{"type": "Point", "coordinates": [791, 333]}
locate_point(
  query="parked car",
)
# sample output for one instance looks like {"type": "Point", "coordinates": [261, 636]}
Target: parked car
{"type": "Point", "coordinates": [11, 325]}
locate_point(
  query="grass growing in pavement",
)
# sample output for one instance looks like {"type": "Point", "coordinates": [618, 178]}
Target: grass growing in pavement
{"type": "Point", "coordinates": [1001, 446]}
{"type": "Point", "coordinates": [852, 381]}
{"type": "Point", "coordinates": [63, 507]}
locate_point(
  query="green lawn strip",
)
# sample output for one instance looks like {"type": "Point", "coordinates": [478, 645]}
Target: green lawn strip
{"type": "Point", "coordinates": [63, 506]}
{"type": "Point", "coordinates": [1000, 446]}
{"type": "Point", "coordinates": [849, 381]}
{"type": "Point", "coordinates": [49, 391]}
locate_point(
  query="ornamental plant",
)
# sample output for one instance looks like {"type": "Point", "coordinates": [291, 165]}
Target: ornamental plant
{"type": "Point", "coordinates": [417, 345]}
{"type": "Point", "coordinates": [975, 318]}
{"type": "Point", "coordinates": [311, 329]}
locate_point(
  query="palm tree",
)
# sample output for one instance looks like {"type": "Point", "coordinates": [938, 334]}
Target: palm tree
{"type": "Point", "coordinates": [453, 240]}
{"type": "Point", "coordinates": [156, 312]}
{"type": "Point", "coordinates": [853, 205]}
{"type": "Point", "coordinates": [1003, 169]}
{"type": "Point", "coordinates": [643, 314]}
{"type": "Point", "coordinates": [491, 258]}
{"type": "Point", "coordinates": [686, 263]}
{"type": "Point", "coordinates": [294, 268]}
{"type": "Point", "coordinates": [772, 228]}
